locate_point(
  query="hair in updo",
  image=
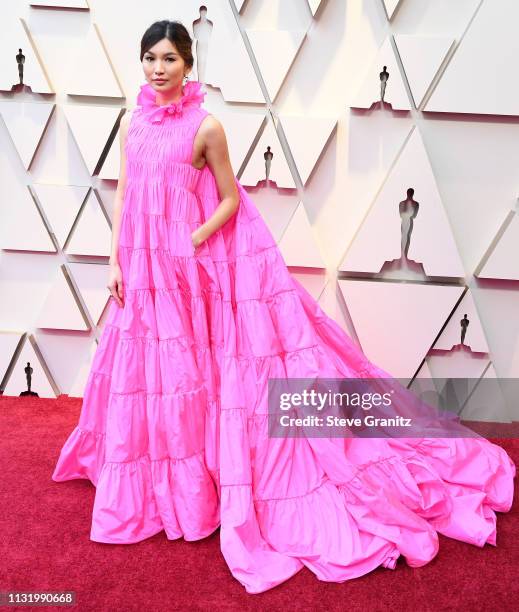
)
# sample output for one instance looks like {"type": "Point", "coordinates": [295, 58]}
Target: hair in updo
{"type": "Point", "coordinates": [175, 32]}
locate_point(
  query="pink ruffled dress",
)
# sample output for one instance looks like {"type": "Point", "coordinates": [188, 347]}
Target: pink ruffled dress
{"type": "Point", "coordinates": [173, 427]}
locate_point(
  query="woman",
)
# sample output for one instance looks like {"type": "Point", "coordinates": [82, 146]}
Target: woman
{"type": "Point", "coordinates": [174, 424]}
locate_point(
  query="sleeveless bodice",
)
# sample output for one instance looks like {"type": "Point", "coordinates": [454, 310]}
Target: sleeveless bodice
{"type": "Point", "coordinates": [161, 208]}
{"type": "Point", "coordinates": [162, 151]}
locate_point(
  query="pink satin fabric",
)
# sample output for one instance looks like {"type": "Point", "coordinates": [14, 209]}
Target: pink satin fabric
{"type": "Point", "coordinates": [173, 426]}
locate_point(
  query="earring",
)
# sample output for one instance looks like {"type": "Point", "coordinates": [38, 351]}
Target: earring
{"type": "Point", "coordinates": [186, 79]}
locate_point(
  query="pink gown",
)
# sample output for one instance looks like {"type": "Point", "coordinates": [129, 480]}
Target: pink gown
{"type": "Point", "coordinates": [173, 425]}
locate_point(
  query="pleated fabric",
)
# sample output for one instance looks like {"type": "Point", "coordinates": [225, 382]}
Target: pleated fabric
{"type": "Point", "coordinates": [173, 430]}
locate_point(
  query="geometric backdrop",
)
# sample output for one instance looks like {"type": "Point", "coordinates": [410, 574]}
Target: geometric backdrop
{"type": "Point", "coordinates": [399, 216]}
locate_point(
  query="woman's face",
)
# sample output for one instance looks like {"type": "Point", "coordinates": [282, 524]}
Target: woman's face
{"type": "Point", "coordinates": [164, 68]}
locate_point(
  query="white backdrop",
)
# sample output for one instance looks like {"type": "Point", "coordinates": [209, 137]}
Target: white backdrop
{"type": "Point", "coordinates": [299, 76]}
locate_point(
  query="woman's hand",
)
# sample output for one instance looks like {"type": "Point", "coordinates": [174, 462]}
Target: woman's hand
{"type": "Point", "coordinates": [196, 238]}
{"type": "Point", "coordinates": [115, 283]}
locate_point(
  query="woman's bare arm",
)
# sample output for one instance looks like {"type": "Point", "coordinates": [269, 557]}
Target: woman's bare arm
{"type": "Point", "coordinates": [216, 153]}
{"type": "Point", "coordinates": [115, 280]}
{"type": "Point", "coordinates": [119, 194]}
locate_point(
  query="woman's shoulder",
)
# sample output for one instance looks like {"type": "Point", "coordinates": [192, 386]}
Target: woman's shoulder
{"type": "Point", "coordinates": [126, 118]}
{"type": "Point", "coordinates": [125, 121]}
{"type": "Point", "coordinates": [209, 122]}
{"type": "Point", "coordinates": [210, 126]}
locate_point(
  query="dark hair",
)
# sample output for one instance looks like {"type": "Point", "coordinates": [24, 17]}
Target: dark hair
{"type": "Point", "coordinates": [175, 32]}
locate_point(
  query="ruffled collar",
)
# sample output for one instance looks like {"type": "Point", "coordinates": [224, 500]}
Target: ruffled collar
{"type": "Point", "coordinates": [192, 95]}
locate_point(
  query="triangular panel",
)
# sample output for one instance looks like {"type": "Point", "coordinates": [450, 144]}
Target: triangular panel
{"type": "Point", "coordinates": [379, 239]}
{"type": "Point", "coordinates": [227, 57]}
{"type": "Point", "coordinates": [487, 403]}
{"type": "Point", "coordinates": [61, 204]}
{"type": "Point", "coordinates": [91, 127]}
{"type": "Point", "coordinates": [314, 6]}
{"type": "Point", "coordinates": [276, 208]}
{"type": "Point", "coordinates": [238, 4]}
{"type": "Point", "coordinates": [60, 309]}
{"type": "Point", "coordinates": [396, 323]}
{"type": "Point", "coordinates": [92, 234]}
{"type": "Point", "coordinates": [107, 198]}
{"type": "Point", "coordinates": [390, 6]}
{"type": "Point", "coordinates": [95, 77]}
{"type": "Point", "coordinates": [306, 138]}
{"type": "Point", "coordinates": [395, 93]}
{"type": "Point", "coordinates": [503, 261]}
{"type": "Point", "coordinates": [298, 245]}
{"type": "Point", "coordinates": [474, 335]}
{"type": "Point", "coordinates": [26, 123]}
{"type": "Point", "coordinates": [480, 77]}
{"type": "Point", "coordinates": [421, 57]}
{"type": "Point", "coordinates": [78, 386]}
{"type": "Point", "coordinates": [112, 163]}
{"type": "Point", "coordinates": [91, 280]}
{"type": "Point", "coordinates": [255, 170]}
{"type": "Point", "coordinates": [275, 51]}
{"type": "Point", "coordinates": [14, 36]}
{"type": "Point", "coordinates": [240, 131]}
{"type": "Point", "coordinates": [41, 379]}
{"type": "Point", "coordinates": [9, 340]}
{"type": "Point", "coordinates": [331, 301]}
{"type": "Point", "coordinates": [313, 283]}
{"type": "Point", "coordinates": [22, 228]}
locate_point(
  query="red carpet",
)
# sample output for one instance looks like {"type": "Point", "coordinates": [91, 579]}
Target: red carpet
{"type": "Point", "coordinates": [45, 544]}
